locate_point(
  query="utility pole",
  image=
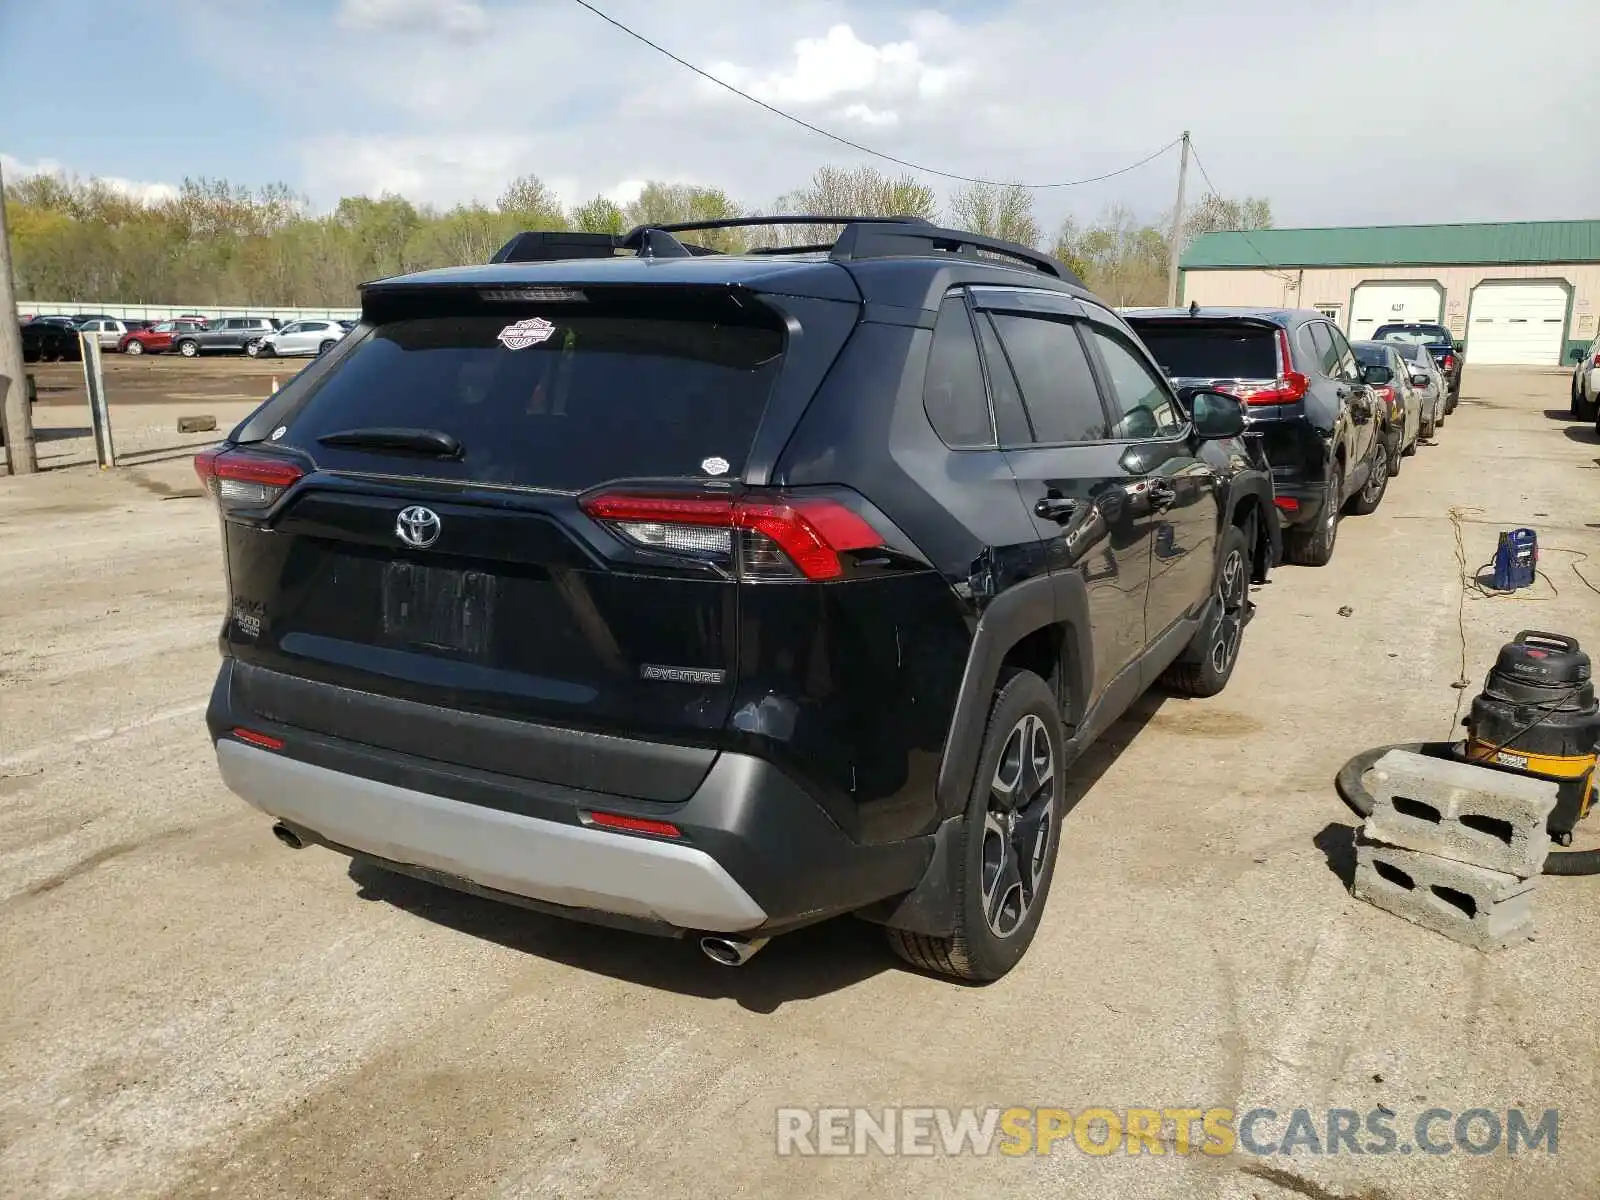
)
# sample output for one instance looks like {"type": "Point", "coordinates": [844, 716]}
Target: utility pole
{"type": "Point", "coordinates": [16, 418]}
{"type": "Point", "coordinates": [1177, 226]}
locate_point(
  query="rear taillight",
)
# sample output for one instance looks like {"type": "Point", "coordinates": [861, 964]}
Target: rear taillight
{"type": "Point", "coordinates": [1290, 386]}
{"type": "Point", "coordinates": [1596, 362]}
{"type": "Point", "coordinates": [1288, 503]}
{"type": "Point", "coordinates": [765, 535]}
{"type": "Point", "coordinates": [240, 479]}
{"type": "Point", "coordinates": [1449, 360]}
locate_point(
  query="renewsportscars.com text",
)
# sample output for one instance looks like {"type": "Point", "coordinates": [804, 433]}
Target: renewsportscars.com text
{"type": "Point", "coordinates": [1157, 1131]}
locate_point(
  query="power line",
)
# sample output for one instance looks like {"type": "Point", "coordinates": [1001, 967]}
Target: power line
{"type": "Point", "coordinates": [1244, 233]}
{"type": "Point", "coordinates": [844, 141]}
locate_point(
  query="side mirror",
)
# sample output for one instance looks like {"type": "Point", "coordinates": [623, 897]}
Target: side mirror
{"type": "Point", "coordinates": [1216, 415]}
{"type": "Point", "coordinates": [1373, 374]}
{"type": "Point", "coordinates": [1419, 381]}
{"type": "Point", "coordinates": [1577, 355]}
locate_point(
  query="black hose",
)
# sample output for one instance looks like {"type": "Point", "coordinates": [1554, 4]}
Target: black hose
{"type": "Point", "coordinates": [1355, 794]}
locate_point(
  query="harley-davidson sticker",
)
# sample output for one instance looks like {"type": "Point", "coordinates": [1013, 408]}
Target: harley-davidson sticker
{"type": "Point", "coordinates": [526, 333]}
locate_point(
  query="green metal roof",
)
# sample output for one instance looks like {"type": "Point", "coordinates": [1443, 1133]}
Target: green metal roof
{"type": "Point", "coordinates": [1400, 245]}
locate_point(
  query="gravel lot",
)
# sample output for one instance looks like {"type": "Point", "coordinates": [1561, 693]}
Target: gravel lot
{"type": "Point", "coordinates": [188, 1009]}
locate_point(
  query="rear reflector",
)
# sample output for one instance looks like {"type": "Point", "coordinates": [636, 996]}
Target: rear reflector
{"type": "Point", "coordinates": [240, 479]}
{"type": "Point", "coordinates": [810, 531]}
{"type": "Point", "coordinates": [635, 824]}
{"type": "Point", "coordinates": [1287, 503]}
{"type": "Point", "coordinates": [264, 740]}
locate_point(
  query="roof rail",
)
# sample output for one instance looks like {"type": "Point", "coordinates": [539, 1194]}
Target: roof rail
{"type": "Point", "coordinates": [862, 238]}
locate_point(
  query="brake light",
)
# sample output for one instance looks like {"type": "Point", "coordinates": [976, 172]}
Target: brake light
{"type": "Point", "coordinates": [635, 824]}
{"type": "Point", "coordinates": [1596, 362]}
{"type": "Point", "coordinates": [1449, 360]}
{"type": "Point", "coordinates": [240, 479]}
{"type": "Point", "coordinates": [1290, 386]}
{"type": "Point", "coordinates": [810, 532]}
{"type": "Point", "coordinates": [1288, 503]}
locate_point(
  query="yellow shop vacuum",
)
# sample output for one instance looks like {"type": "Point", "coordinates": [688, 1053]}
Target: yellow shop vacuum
{"type": "Point", "coordinates": [1537, 716]}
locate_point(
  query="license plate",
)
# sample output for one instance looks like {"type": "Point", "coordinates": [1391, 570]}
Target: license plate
{"type": "Point", "coordinates": [438, 609]}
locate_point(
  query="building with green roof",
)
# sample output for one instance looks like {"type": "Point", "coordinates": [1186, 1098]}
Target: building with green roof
{"type": "Point", "coordinates": [1522, 292]}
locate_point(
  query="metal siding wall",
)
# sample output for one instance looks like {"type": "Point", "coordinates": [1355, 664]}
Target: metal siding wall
{"type": "Point", "coordinates": [1312, 286]}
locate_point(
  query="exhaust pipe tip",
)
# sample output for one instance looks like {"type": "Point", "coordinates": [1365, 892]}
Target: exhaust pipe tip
{"type": "Point", "coordinates": [288, 836]}
{"type": "Point", "coordinates": [730, 950]}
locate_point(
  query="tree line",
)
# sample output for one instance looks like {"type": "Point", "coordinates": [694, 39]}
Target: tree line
{"type": "Point", "coordinates": [217, 243]}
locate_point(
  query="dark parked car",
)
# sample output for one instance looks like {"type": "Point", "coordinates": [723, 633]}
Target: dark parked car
{"type": "Point", "coordinates": [722, 594]}
{"type": "Point", "coordinates": [1324, 434]}
{"type": "Point", "coordinates": [1389, 376]}
{"type": "Point", "coordinates": [50, 341]}
{"type": "Point", "coordinates": [225, 335]}
{"type": "Point", "coordinates": [1446, 351]}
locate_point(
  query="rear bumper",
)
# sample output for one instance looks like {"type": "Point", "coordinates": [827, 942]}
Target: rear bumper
{"type": "Point", "coordinates": [757, 853]}
{"type": "Point", "coordinates": [1306, 499]}
{"type": "Point", "coordinates": [574, 866]}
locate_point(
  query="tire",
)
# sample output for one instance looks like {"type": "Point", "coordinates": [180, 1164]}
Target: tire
{"type": "Point", "coordinates": [325, 347]}
{"type": "Point", "coordinates": [1583, 410]}
{"type": "Point", "coordinates": [253, 349]}
{"type": "Point", "coordinates": [134, 348]}
{"type": "Point", "coordinates": [1220, 645]}
{"type": "Point", "coordinates": [1366, 501]}
{"type": "Point", "coordinates": [1314, 548]}
{"type": "Point", "coordinates": [188, 349]}
{"type": "Point", "coordinates": [1429, 428]}
{"type": "Point", "coordinates": [1004, 851]}
{"type": "Point", "coordinates": [1394, 451]}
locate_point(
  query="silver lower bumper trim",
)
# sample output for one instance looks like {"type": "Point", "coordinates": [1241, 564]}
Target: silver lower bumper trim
{"type": "Point", "coordinates": [571, 865]}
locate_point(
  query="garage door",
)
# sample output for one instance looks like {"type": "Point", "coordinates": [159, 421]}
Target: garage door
{"type": "Point", "coordinates": [1512, 323]}
{"type": "Point", "coordinates": [1377, 304]}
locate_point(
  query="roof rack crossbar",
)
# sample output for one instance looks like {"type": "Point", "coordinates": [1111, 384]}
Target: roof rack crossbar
{"type": "Point", "coordinates": [861, 238]}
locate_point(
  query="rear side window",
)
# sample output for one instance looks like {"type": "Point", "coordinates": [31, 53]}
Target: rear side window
{"type": "Point", "coordinates": [1327, 354]}
{"type": "Point", "coordinates": [1052, 370]}
{"type": "Point", "coordinates": [1148, 409]}
{"type": "Point", "coordinates": [953, 392]}
{"type": "Point", "coordinates": [1346, 368]}
{"type": "Point", "coordinates": [568, 399]}
{"type": "Point", "coordinates": [1211, 351]}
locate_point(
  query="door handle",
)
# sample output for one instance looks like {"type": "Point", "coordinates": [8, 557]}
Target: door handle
{"type": "Point", "coordinates": [1162, 494]}
{"type": "Point", "coordinates": [1055, 508]}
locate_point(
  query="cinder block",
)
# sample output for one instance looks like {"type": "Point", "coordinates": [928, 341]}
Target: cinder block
{"type": "Point", "coordinates": [1457, 810]}
{"type": "Point", "coordinates": [1484, 909]}
{"type": "Point", "coordinates": [196, 424]}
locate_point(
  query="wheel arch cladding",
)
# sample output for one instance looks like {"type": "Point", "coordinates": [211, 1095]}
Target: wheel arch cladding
{"type": "Point", "coordinates": [1047, 611]}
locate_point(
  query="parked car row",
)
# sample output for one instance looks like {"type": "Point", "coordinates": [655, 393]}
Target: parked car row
{"type": "Point", "coordinates": [55, 338]}
{"type": "Point", "coordinates": [1335, 418]}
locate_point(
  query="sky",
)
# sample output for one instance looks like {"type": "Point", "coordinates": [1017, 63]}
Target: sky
{"type": "Point", "coordinates": [1337, 111]}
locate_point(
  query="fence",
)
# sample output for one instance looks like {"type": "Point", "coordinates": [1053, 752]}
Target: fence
{"type": "Point", "coordinates": [164, 312]}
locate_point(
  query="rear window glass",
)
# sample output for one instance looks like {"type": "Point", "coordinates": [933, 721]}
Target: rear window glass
{"type": "Point", "coordinates": [1211, 351]}
{"type": "Point", "coordinates": [563, 400]}
{"type": "Point", "coordinates": [1372, 356]}
{"type": "Point", "coordinates": [1411, 333]}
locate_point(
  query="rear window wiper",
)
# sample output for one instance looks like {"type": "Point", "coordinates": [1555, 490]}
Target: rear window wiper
{"type": "Point", "coordinates": [432, 442]}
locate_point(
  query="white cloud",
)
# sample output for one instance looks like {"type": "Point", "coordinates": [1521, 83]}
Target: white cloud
{"type": "Point", "coordinates": [840, 64]}
{"type": "Point", "coordinates": [147, 193]}
{"type": "Point", "coordinates": [460, 17]}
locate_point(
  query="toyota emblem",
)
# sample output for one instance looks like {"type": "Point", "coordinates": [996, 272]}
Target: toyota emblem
{"type": "Point", "coordinates": [417, 526]}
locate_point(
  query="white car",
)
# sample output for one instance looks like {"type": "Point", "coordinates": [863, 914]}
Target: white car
{"type": "Point", "coordinates": [309, 337]}
{"type": "Point", "coordinates": [1586, 384]}
{"type": "Point", "coordinates": [107, 332]}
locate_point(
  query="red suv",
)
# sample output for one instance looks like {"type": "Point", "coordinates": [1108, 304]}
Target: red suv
{"type": "Point", "coordinates": [156, 338]}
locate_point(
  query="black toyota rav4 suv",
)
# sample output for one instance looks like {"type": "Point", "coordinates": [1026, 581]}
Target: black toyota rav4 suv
{"type": "Point", "coordinates": [720, 594]}
{"type": "Point", "coordinates": [1327, 436]}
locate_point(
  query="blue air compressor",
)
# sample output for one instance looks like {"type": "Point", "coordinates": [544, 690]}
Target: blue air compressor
{"type": "Point", "coordinates": [1516, 560]}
